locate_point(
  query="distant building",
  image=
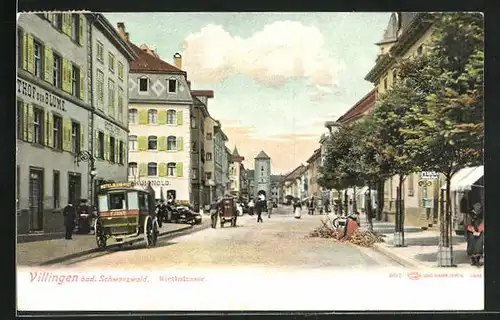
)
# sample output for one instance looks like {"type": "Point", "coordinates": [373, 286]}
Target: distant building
{"type": "Point", "coordinates": [235, 172]}
{"type": "Point", "coordinates": [276, 190]}
{"type": "Point", "coordinates": [262, 174]}
{"type": "Point", "coordinates": [251, 182]}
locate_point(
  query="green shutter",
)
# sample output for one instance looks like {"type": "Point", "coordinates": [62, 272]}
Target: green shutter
{"type": "Point", "coordinates": [117, 150]}
{"type": "Point", "coordinates": [162, 117]}
{"type": "Point", "coordinates": [180, 144]}
{"type": "Point", "coordinates": [81, 36]}
{"type": "Point", "coordinates": [30, 125]}
{"type": "Point", "coordinates": [66, 25]}
{"type": "Point", "coordinates": [49, 65]}
{"type": "Point", "coordinates": [180, 169]}
{"type": "Point", "coordinates": [24, 50]}
{"type": "Point", "coordinates": [82, 138]}
{"type": "Point", "coordinates": [67, 145]}
{"type": "Point", "coordinates": [162, 143]}
{"type": "Point", "coordinates": [66, 81]}
{"type": "Point", "coordinates": [142, 143]}
{"type": "Point", "coordinates": [162, 169]}
{"type": "Point", "coordinates": [107, 147]}
{"type": "Point", "coordinates": [143, 169]}
{"type": "Point", "coordinates": [143, 117]}
{"type": "Point", "coordinates": [24, 115]}
{"type": "Point", "coordinates": [179, 118]}
{"type": "Point", "coordinates": [50, 130]}
{"type": "Point", "coordinates": [30, 52]}
{"type": "Point", "coordinates": [46, 128]}
{"type": "Point", "coordinates": [82, 84]}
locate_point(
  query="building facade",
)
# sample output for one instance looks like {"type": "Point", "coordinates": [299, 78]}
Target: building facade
{"type": "Point", "coordinates": [226, 162]}
{"type": "Point", "coordinates": [111, 57]}
{"type": "Point", "coordinates": [235, 172]}
{"type": "Point", "coordinates": [160, 105]}
{"type": "Point", "coordinates": [209, 196]}
{"type": "Point", "coordinates": [408, 34]}
{"type": "Point", "coordinates": [262, 174]}
{"type": "Point", "coordinates": [198, 115]}
{"type": "Point", "coordinates": [276, 189]}
{"type": "Point", "coordinates": [220, 140]}
{"type": "Point", "coordinates": [53, 110]}
{"type": "Point", "coordinates": [251, 182]}
{"type": "Point", "coordinates": [313, 173]}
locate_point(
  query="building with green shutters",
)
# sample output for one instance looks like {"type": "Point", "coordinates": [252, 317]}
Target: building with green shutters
{"type": "Point", "coordinates": [159, 109]}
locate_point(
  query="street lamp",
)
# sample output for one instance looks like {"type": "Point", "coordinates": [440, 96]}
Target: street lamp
{"type": "Point", "coordinates": [86, 156]}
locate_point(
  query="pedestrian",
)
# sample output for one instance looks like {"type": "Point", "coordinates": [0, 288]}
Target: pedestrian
{"type": "Point", "coordinates": [260, 205]}
{"type": "Point", "coordinates": [69, 214]}
{"type": "Point", "coordinates": [297, 208]}
{"type": "Point", "coordinates": [251, 207]}
{"type": "Point", "coordinates": [475, 235]}
{"type": "Point", "coordinates": [83, 217]}
{"type": "Point", "coordinates": [327, 206]}
{"type": "Point", "coordinates": [311, 206]}
{"type": "Point", "coordinates": [269, 209]}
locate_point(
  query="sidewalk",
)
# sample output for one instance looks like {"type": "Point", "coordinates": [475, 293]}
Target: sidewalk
{"type": "Point", "coordinates": [421, 246]}
{"type": "Point", "coordinates": [51, 251]}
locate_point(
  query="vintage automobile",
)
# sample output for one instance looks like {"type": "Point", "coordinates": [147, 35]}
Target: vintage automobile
{"type": "Point", "coordinates": [228, 212]}
{"type": "Point", "coordinates": [126, 210]}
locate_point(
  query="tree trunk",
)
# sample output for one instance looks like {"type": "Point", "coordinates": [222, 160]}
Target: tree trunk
{"type": "Point", "coordinates": [369, 207]}
{"type": "Point", "coordinates": [445, 227]}
{"type": "Point", "coordinates": [401, 209]}
{"type": "Point", "coordinates": [380, 198]}
{"type": "Point", "coordinates": [346, 203]}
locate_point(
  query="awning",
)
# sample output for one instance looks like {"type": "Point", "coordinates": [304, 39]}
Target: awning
{"type": "Point", "coordinates": [465, 178]}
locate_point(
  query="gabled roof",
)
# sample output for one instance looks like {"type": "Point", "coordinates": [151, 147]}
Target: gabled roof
{"type": "Point", "coordinates": [262, 155]}
{"type": "Point", "coordinates": [203, 93]}
{"type": "Point", "coordinates": [235, 152]}
{"type": "Point", "coordinates": [314, 156]}
{"type": "Point", "coordinates": [295, 173]}
{"type": "Point", "coordinates": [367, 102]}
{"type": "Point", "coordinates": [145, 62]}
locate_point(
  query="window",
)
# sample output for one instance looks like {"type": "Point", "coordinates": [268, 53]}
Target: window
{"type": "Point", "coordinates": [262, 168]}
{"type": "Point", "coordinates": [112, 148]}
{"type": "Point", "coordinates": [385, 83]}
{"type": "Point", "coordinates": [208, 175]}
{"type": "Point", "coordinates": [194, 146]}
{"type": "Point", "coordinates": [103, 203]}
{"type": "Point", "coordinates": [132, 201]}
{"type": "Point", "coordinates": [132, 143]}
{"type": "Point", "coordinates": [101, 145]}
{"type": "Point", "coordinates": [117, 201]}
{"type": "Point", "coordinates": [120, 104]}
{"type": "Point", "coordinates": [394, 76]}
{"type": "Point", "coordinates": [37, 125]}
{"type": "Point", "coordinates": [75, 81]}
{"type": "Point", "coordinates": [171, 169]}
{"type": "Point", "coordinates": [56, 188]}
{"type": "Point", "coordinates": [194, 173]}
{"type": "Point", "coordinates": [100, 89]}
{"type": "Point", "coordinates": [76, 26]}
{"type": "Point", "coordinates": [38, 59]}
{"type": "Point", "coordinates": [75, 137]}
{"type": "Point", "coordinates": [120, 70]}
{"type": "Point", "coordinates": [171, 117]}
{"type": "Point", "coordinates": [172, 85]}
{"type": "Point", "coordinates": [209, 156]}
{"type": "Point", "coordinates": [111, 62]}
{"type": "Point", "coordinates": [57, 134]}
{"type": "Point", "coordinates": [20, 133]}
{"type": "Point", "coordinates": [111, 98]}
{"type": "Point", "coordinates": [152, 169]}
{"type": "Point", "coordinates": [57, 22]}
{"type": "Point", "coordinates": [120, 153]}
{"type": "Point", "coordinates": [152, 143]}
{"type": "Point", "coordinates": [19, 47]}
{"type": "Point", "coordinates": [420, 50]}
{"type": "Point", "coordinates": [171, 143]}
{"type": "Point", "coordinates": [132, 116]}
{"type": "Point", "coordinates": [132, 169]}
{"type": "Point", "coordinates": [142, 201]}
{"type": "Point", "coordinates": [209, 136]}
{"type": "Point", "coordinates": [100, 52]}
{"type": "Point", "coordinates": [143, 84]}
{"type": "Point", "coordinates": [57, 71]}
{"type": "Point", "coordinates": [152, 116]}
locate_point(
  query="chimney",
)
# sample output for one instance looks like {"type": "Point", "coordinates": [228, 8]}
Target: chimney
{"type": "Point", "coordinates": [126, 36]}
{"type": "Point", "coordinates": [121, 29]}
{"type": "Point", "coordinates": [178, 60]}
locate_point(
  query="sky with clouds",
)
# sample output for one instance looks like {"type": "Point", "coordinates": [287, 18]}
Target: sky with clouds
{"type": "Point", "coordinates": [277, 77]}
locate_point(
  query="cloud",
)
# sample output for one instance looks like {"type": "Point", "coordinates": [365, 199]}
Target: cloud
{"type": "Point", "coordinates": [282, 51]}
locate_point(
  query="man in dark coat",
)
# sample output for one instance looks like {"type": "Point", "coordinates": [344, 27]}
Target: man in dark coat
{"type": "Point", "coordinates": [69, 214]}
{"type": "Point", "coordinates": [84, 217]}
{"type": "Point", "coordinates": [475, 236]}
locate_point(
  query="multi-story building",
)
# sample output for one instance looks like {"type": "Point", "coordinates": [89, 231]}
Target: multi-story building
{"type": "Point", "coordinates": [220, 140]}
{"type": "Point", "coordinates": [209, 191]}
{"type": "Point", "coordinates": [313, 165]}
{"type": "Point", "coordinates": [160, 105]}
{"type": "Point", "coordinates": [198, 115]}
{"type": "Point", "coordinates": [235, 173]}
{"type": "Point", "coordinates": [111, 57]}
{"type": "Point", "coordinates": [262, 174]}
{"type": "Point", "coordinates": [251, 182]}
{"type": "Point", "coordinates": [53, 110]}
{"type": "Point", "coordinates": [276, 190]}
{"type": "Point", "coordinates": [408, 34]}
{"type": "Point", "coordinates": [243, 183]}
{"type": "Point", "coordinates": [226, 162]}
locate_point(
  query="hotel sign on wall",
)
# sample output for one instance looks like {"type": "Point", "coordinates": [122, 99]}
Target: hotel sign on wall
{"type": "Point", "coordinates": [28, 90]}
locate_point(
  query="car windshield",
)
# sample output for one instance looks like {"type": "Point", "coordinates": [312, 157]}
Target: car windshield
{"type": "Point", "coordinates": [117, 201]}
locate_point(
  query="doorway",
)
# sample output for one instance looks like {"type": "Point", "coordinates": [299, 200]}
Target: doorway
{"type": "Point", "coordinates": [74, 188]}
{"type": "Point", "coordinates": [36, 199]}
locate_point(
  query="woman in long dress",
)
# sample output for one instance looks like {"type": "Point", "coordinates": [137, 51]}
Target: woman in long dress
{"type": "Point", "coordinates": [297, 209]}
{"type": "Point", "coordinates": [475, 236]}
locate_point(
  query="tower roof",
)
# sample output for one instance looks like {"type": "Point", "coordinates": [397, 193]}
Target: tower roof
{"type": "Point", "coordinates": [262, 155]}
{"type": "Point", "coordinates": [235, 152]}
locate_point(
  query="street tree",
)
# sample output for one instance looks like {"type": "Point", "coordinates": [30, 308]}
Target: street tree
{"type": "Point", "coordinates": [445, 132]}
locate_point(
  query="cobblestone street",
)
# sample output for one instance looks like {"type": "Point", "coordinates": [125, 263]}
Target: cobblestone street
{"type": "Point", "coordinates": [280, 241]}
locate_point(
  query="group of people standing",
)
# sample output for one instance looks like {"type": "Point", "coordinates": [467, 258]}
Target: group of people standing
{"type": "Point", "coordinates": [81, 216]}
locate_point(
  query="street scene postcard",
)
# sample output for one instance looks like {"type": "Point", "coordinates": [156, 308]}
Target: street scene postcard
{"type": "Point", "coordinates": [249, 161]}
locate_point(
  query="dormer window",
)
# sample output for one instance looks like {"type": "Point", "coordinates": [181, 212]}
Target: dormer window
{"type": "Point", "coordinates": [143, 84]}
{"type": "Point", "coordinates": [172, 85]}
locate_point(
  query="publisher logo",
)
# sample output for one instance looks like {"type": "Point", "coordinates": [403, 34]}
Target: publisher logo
{"type": "Point", "coordinates": [414, 275]}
